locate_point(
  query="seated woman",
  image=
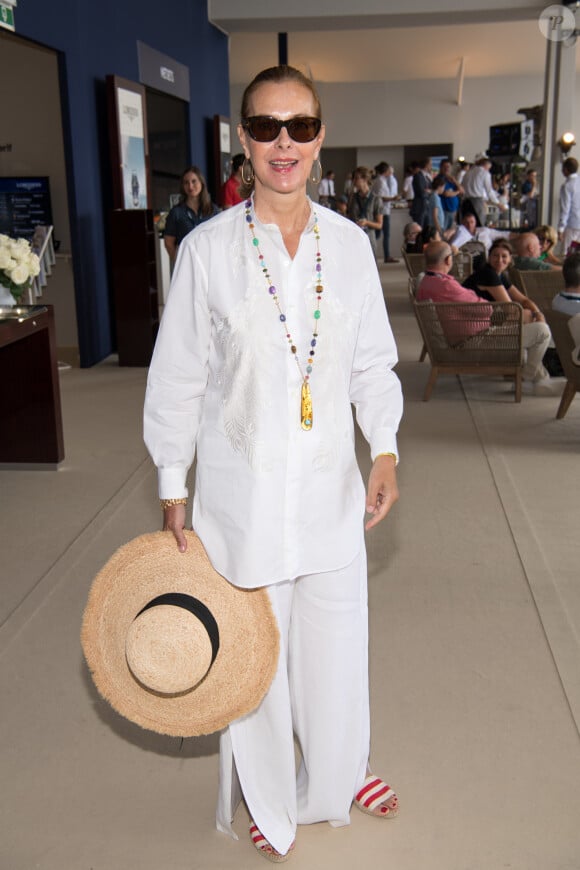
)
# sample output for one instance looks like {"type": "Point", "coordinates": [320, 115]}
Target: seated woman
{"type": "Point", "coordinates": [412, 241]}
{"type": "Point", "coordinates": [492, 282]}
{"type": "Point", "coordinates": [548, 238]}
{"type": "Point", "coordinates": [432, 234]}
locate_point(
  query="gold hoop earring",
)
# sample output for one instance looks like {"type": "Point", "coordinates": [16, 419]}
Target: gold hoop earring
{"type": "Point", "coordinates": [316, 168]}
{"type": "Point", "coordinates": [247, 178]}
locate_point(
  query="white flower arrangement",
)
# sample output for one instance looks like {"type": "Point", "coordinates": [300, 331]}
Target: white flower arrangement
{"type": "Point", "coordinates": [18, 265]}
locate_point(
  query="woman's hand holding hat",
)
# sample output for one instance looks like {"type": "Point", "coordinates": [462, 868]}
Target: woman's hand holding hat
{"type": "Point", "coordinates": [174, 521]}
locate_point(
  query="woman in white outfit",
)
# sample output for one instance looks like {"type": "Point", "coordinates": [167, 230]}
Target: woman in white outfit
{"type": "Point", "coordinates": [275, 324]}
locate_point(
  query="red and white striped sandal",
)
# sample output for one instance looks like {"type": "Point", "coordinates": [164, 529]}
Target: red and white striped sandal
{"type": "Point", "coordinates": [265, 848]}
{"type": "Point", "coordinates": [373, 797]}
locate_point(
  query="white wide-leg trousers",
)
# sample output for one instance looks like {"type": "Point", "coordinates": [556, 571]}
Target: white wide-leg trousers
{"type": "Point", "coordinates": [320, 694]}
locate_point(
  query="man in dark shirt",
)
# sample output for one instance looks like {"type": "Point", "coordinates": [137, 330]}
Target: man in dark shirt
{"type": "Point", "coordinates": [421, 191]}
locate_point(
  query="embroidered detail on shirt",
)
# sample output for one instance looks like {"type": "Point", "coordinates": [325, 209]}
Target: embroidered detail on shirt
{"type": "Point", "coordinates": [251, 379]}
{"type": "Point", "coordinates": [241, 434]}
{"type": "Point", "coordinates": [237, 255]}
{"type": "Point", "coordinates": [243, 401]}
{"type": "Point", "coordinates": [326, 459]}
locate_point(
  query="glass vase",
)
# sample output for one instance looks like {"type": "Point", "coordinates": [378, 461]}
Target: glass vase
{"type": "Point", "coordinates": [7, 300]}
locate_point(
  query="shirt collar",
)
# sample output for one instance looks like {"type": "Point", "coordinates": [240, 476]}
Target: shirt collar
{"type": "Point", "coordinates": [309, 223]}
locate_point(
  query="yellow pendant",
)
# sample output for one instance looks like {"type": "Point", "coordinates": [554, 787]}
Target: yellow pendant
{"type": "Point", "coordinates": [306, 407]}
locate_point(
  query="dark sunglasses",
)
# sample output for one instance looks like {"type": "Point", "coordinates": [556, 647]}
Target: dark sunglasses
{"type": "Point", "coordinates": [262, 128]}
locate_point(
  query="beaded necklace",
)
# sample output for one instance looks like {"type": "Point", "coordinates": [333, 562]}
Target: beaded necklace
{"type": "Point", "coordinates": [306, 418]}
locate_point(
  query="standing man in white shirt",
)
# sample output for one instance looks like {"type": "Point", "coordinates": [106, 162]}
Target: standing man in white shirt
{"type": "Point", "coordinates": [326, 192]}
{"type": "Point", "coordinates": [569, 222]}
{"type": "Point", "coordinates": [385, 185]}
{"type": "Point", "coordinates": [479, 190]}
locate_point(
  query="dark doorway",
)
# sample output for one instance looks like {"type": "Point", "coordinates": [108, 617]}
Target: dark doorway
{"type": "Point", "coordinates": [168, 133]}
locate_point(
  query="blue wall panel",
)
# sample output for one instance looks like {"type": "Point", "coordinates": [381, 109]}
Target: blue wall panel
{"type": "Point", "coordinates": [96, 39]}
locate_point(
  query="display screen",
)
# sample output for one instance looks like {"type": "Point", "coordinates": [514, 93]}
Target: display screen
{"type": "Point", "coordinates": [504, 140]}
{"type": "Point", "coordinates": [24, 205]}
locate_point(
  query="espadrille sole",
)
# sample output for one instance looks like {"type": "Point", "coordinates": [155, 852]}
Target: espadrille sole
{"type": "Point", "coordinates": [373, 795]}
{"type": "Point", "coordinates": [264, 847]}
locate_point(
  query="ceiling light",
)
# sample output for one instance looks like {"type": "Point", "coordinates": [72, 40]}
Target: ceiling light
{"type": "Point", "coordinates": [566, 142]}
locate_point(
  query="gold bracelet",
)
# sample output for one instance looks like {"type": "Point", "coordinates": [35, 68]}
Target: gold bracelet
{"type": "Point", "coordinates": [169, 502]}
{"type": "Point", "coordinates": [394, 455]}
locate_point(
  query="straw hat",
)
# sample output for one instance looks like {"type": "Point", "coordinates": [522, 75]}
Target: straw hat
{"type": "Point", "coordinates": [172, 645]}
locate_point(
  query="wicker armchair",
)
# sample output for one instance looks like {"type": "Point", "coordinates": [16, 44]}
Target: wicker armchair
{"type": "Point", "coordinates": [558, 323]}
{"type": "Point", "coordinates": [462, 266]}
{"type": "Point", "coordinates": [460, 340]}
{"type": "Point", "coordinates": [541, 287]}
{"type": "Point", "coordinates": [412, 295]}
{"type": "Point", "coordinates": [515, 277]}
{"type": "Point", "coordinates": [415, 263]}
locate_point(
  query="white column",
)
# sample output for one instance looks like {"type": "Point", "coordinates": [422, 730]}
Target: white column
{"type": "Point", "coordinates": [559, 92]}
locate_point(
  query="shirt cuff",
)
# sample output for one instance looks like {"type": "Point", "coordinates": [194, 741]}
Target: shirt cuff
{"type": "Point", "coordinates": [172, 482]}
{"type": "Point", "coordinates": [384, 441]}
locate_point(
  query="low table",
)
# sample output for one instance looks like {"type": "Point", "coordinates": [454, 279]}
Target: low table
{"type": "Point", "coordinates": [30, 410]}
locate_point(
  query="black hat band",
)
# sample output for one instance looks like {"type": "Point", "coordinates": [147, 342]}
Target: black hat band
{"type": "Point", "coordinates": [198, 608]}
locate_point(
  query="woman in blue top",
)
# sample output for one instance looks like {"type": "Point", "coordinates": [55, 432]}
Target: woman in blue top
{"type": "Point", "coordinates": [195, 207]}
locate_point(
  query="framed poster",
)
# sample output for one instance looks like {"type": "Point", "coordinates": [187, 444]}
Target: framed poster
{"type": "Point", "coordinates": [129, 143]}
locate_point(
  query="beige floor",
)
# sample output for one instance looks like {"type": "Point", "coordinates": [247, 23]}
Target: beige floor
{"type": "Point", "coordinates": [475, 641]}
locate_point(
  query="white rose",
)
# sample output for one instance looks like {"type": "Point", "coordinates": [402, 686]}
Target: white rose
{"type": "Point", "coordinates": [18, 255]}
{"type": "Point", "coordinates": [11, 264]}
{"type": "Point", "coordinates": [5, 258]}
{"type": "Point", "coordinates": [34, 265]}
{"type": "Point", "coordinates": [20, 274]}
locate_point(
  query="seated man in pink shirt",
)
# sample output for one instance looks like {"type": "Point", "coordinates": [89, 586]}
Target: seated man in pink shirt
{"type": "Point", "coordinates": [439, 286]}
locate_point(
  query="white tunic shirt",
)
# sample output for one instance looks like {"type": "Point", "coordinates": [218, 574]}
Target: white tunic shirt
{"type": "Point", "coordinates": [272, 501]}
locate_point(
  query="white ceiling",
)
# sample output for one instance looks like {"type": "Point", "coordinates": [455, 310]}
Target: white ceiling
{"type": "Point", "coordinates": [398, 54]}
{"type": "Point", "coordinates": [261, 16]}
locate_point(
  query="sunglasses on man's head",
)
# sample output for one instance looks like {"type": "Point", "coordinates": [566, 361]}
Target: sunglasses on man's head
{"type": "Point", "coordinates": [262, 128]}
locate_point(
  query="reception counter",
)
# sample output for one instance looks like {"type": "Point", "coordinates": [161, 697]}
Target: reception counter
{"type": "Point", "coordinates": [30, 410]}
